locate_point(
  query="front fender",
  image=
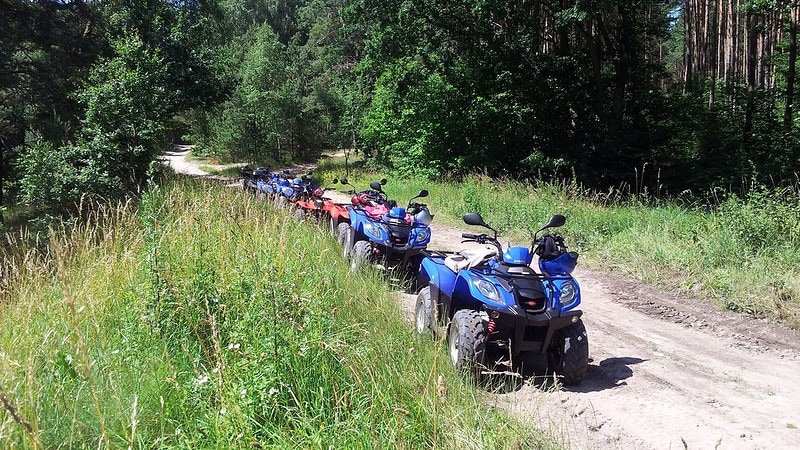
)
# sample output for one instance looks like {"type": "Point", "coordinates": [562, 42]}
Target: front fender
{"type": "Point", "coordinates": [467, 294]}
{"type": "Point", "coordinates": [557, 286]}
{"type": "Point", "coordinates": [419, 237]}
{"type": "Point", "coordinates": [439, 275]}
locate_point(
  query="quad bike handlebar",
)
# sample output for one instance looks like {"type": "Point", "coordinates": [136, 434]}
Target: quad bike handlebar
{"type": "Point", "coordinates": [482, 239]}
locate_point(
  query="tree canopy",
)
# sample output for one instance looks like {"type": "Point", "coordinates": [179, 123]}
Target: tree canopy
{"type": "Point", "coordinates": [700, 93]}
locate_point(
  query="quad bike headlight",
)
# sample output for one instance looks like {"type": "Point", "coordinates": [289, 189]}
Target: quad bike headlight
{"type": "Point", "coordinates": [487, 289]}
{"type": "Point", "coordinates": [568, 292]}
{"type": "Point", "coordinates": [423, 235]}
{"type": "Point", "coordinates": [373, 229]}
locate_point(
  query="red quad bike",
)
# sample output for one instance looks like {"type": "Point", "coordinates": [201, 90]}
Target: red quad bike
{"type": "Point", "coordinates": [311, 202]}
{"type": "Point", "coordinates": [338, 214]}
{"type": "Point", "coordinates": [308, 199]}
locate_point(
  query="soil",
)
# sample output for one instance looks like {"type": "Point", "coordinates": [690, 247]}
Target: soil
{"type": "Point", "coordinates": [667, 371]}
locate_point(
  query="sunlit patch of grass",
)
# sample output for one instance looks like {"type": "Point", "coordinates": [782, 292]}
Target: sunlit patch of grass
{"type": "Point", "coordinates": [230, 171]}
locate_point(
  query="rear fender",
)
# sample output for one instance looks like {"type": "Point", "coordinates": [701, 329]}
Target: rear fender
{"type": "Point", "coordinates": [338, 213]}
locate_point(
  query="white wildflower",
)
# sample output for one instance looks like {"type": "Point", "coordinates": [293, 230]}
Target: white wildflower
{"type": "Point", "coordinates": [201, 380]}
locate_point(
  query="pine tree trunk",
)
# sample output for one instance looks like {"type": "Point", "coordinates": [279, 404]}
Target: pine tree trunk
{"type": "Point", "coordinates": [791, 70]}
{"type": "Point", "coordinates": [751, 58]}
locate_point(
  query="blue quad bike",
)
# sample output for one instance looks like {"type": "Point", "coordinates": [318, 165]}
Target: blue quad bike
{"type": "Point", "coordinates": [388, 234]}
{"type": "Point", "coordinates": [495, 307]}
{"type": "Point", "coordinates": [252, 178]}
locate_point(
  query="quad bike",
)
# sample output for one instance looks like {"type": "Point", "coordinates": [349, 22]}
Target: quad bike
{"type": "Point", "coordinates": [386, 233]}
{"type": "Point", "coordinates": [252, 177]}
{"type": "Point", "coordinates": [286, 191]}
{"type": "Point", "coordinates": [311, 201]}
{"type": "Point", "coordinates": [495, 306]}
{"type": "Point", "coordinates": [336, 213]}
{"type": "Point", "coordinates": [371, 200]}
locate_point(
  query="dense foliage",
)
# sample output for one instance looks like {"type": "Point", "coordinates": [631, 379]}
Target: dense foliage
{"type": "Point", "coordinates": [658, 95]}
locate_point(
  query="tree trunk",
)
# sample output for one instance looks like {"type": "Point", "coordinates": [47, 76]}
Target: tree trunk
{"type": "Point", "coordinates": [2, 177]}
{"type": "Point", "coordinates": [688, 47]}
{"type": "Point", "coordinates": [791, 70]}
{"type": "Point", "coordinates": [751, 58]}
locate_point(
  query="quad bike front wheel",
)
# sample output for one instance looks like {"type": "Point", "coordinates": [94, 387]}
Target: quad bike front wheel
{"type": "Point", "coordinates": [361, 255]}
{"type": "Point", "coordinates": [345, 237]}
{"type": "Point", "coordinates": [568, 354]}
{"type": "Point", "coordinates": [334, 229]}
{"type": "Point", "coordinates": [299, 214]}
{"type": "Point", "coordinates": [425, 315]}
{"type": "Point", "coordinates": [467, 342]}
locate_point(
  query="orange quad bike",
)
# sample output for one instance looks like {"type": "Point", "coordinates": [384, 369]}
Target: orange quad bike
{"type": "Point", "coordinates": [311, 202]}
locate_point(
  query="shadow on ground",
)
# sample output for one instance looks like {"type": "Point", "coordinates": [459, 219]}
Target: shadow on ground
{"type": "Point", "coordinates": [608, 374]}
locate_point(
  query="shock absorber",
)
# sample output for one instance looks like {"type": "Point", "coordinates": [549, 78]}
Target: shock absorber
{"type": "Point", "coordinates": [491, 326]}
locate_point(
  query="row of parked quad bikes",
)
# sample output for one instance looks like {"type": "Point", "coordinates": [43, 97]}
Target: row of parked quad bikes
{"type": "Point", "coordinates": [489, 302]}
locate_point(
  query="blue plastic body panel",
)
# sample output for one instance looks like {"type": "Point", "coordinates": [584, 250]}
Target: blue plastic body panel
{"type": "Point", "coordinates": [518, 255]}
{"type": "Point", "coordinates": [562, 265]}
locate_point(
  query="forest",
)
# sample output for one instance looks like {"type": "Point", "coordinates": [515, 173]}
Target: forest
{"type": "Point", "coordinates": [661, 96]}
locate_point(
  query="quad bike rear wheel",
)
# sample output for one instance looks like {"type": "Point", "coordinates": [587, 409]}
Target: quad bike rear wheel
{"type": "Point", "coordinates": [568, 354]}
{"type": "Point", "coordinates": [425, 316]}
{"type": "Point", "coordinates": [361, 255]}
{"type": "Point", "coordinates": [467, 342]}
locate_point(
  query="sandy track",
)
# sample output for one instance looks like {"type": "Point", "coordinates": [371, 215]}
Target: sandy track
{"type": "Point", "coordinates": [666, 372]}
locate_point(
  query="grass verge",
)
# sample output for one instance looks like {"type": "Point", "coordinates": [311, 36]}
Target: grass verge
{"type": "Point", "coordinates": [203, 318]}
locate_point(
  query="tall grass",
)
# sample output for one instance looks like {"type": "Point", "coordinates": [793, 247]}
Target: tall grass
{"type": "Point", "coordinates": [741, 254]}
{"type": "Point", "coordinates": [203, 318]}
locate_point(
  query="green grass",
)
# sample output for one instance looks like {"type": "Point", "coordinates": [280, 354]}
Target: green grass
{"type": "Point", "coordinates": [740, 254]}
{"type": "Point", "coordinates": [233, 171]}
{"type": "Point", "coordinates": [203, 318]}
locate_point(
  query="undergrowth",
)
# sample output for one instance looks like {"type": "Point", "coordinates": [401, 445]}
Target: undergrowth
{"type": "Point", "coordinates": [203, 318]}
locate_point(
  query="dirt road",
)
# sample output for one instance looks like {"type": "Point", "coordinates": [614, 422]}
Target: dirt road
{"type": "Point", "coordinates": [666, 372]}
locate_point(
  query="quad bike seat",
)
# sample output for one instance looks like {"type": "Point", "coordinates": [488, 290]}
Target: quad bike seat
{"type": "Point", "coordinates": [466, 259]}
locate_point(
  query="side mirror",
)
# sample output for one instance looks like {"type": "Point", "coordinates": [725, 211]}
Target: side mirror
{"type": "Point", "coordinates": [555, 221]}
{"type": "Point", "coordinates": [310, 173]}
{"type": "Point", "coordinates": [422, 194]}
{"type": "Point", "coordinates": [376, 186]}
{"type": "Point", "coordinates": [474, 219]}
{"type": "Point", "coordinates": [344, 180]}
{"type": "Point", "coordinates": [383, 181]}
{"type": "Point", "coordinates": [334, 181]}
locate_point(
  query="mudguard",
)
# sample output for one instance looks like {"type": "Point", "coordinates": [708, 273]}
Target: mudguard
{"type": "Point", "coordinates": [467, 294]}
{"type": "Point", "coordinates": [556, 299]}
{"type": "Point", "coordinates": [439, 275]}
